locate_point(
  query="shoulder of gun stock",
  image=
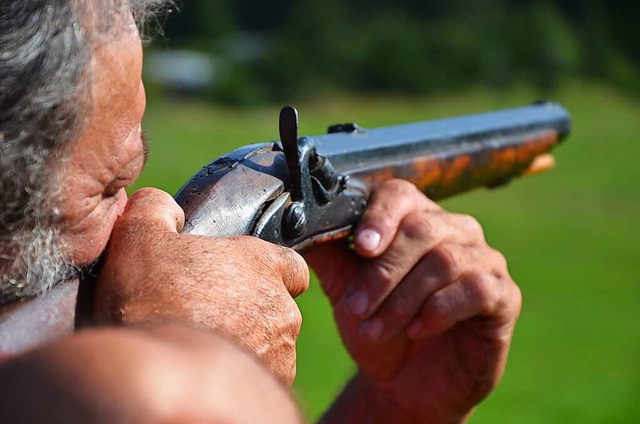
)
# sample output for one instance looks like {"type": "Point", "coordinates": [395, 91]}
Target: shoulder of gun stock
{"type": "Point", "coordinates": [305, 190]}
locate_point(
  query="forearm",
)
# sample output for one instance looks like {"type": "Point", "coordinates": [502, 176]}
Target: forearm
{"type": "Point", "coordinates": [155, 374]}
{"type": "Point", "coordinates": [360, 402]}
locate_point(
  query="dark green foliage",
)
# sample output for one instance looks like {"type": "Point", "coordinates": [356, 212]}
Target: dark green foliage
{"type": "Point", "coordinates": [413, 47]}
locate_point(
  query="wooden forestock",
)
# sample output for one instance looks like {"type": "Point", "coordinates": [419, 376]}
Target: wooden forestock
{"type": "Point", "coordinates": [454, 171]}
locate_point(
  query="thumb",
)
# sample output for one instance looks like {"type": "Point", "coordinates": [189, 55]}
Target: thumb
{"type": "Point", "coordinates": [152, 208]}
{"type": "Point", "coordinates": [293, 269]}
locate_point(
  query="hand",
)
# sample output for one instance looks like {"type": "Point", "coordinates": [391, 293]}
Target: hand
{"type": "Point", "coordinates": [242, 287]}
{"type": "Point", "coordinates": [426, 308]}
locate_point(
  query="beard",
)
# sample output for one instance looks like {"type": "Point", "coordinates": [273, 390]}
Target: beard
{"type": "Point", "coordinates": [31, 263]}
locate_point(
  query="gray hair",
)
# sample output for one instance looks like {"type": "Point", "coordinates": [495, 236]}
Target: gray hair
{"type": "Point", "coordinates": [44, 83]}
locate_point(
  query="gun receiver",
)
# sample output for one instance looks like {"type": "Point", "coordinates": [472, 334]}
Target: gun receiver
{"type": "Point", "coordinates": [305, 190]}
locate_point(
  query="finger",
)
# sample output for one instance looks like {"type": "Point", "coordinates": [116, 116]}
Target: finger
{"type": "Point", "coordinates": [153, 208]}
{"type": "Point", "coordinates": [439, 268]}
{"type": "Point", "coordinates": [417, 235]}
{"type": "Point", "coordinates": [335, 265]}
{"type": "Point", "coordinates": [476, 294]}
{"type": "Point", "coordinates": [287, 263]}
{"type": "Point", "coordinates": [390, 203]}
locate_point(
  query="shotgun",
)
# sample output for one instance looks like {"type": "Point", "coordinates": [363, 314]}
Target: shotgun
{"type": "Point", "coordinates": [301, 191]}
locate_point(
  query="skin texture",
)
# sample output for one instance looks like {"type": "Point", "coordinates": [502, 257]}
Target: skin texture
{"type": "Point", "coordinates": [426, 308]}
{"type": "Point", "coordinates": [109, 152]}
{"type": "Point", "coordinates": [164, 374]}
{"type": "Point", "coordinates": [154, 274]}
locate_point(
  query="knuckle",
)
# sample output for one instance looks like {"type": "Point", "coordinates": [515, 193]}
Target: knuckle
{"type": "Point", "coordinates": [470, 225]}
{"type": "Point", "coordinates": [382, 275]}
{"type": "Point", "coordinates": [294, 270]}
{"type": "Point", "coordinates": [418, 227]}
{"type": "Point", "coordinates": [479, 287]}
{"type": "Point", "coordinates": [395, 195]}
{"type": "Point", "coordinates": [380, 215]}
{"type": "Point", "coordinates": [144, 192]}
{"type": "Point", "coordinates": [516, 296]}
{"type": "Point", "coordinates": [438, 304]}
{"type": "Point", "coordinates": [443, 261]}
{"type": "Point", "coordinates": [294, 261]}
{"type": "Point", "coordinates": [401, 187]}
{"type": "Point", "coordinates": [151, 197]}
{"type": "Point", "coordinates": [500, 261]}
{"type": "Point", "coordinates": [517, 299]}
{"type": "Point", "coordinates": [267, 257]}
{"type": "Point", "coordinates": [426, 283]}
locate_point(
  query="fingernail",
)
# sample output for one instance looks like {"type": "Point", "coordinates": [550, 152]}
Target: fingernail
{"type": "Point", "coordinates": [358, 303]}
{"type": "Point", "coordinates": [372, 330]}
{"type": "Point", "coordinates": [414, 330]}
{"type": "Point", "coordinates": [368, 240]}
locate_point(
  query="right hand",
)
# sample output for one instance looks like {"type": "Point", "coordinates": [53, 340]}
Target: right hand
{"type": "Point", "coordinates": [242, 287]}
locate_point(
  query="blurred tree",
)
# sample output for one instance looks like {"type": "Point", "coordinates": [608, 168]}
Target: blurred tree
{"type": "Point", "coordinates": [414, 46]}
{"type": "Point", "coordinates": [200, 22]}
{"type": "Point", "coordinates": [309, 49]}
{"type": "Point", "coordinates": [624, 15]}
{"type": "Point", "coordinates": [268, 16]}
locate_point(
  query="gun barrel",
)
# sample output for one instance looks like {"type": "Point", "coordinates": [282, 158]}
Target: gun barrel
{"type": "Point", "coordinates": [449, 156]}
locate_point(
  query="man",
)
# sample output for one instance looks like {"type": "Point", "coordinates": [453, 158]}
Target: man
{"type": "Point", "coordinates": [425, 307]}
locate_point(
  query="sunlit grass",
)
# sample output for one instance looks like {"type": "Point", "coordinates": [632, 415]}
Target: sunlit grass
{"type": "Point", "coordinates": [571, 237]}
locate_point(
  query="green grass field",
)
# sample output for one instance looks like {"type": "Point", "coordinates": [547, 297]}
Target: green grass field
{"type": "Point", "coordinates": [571, 237]}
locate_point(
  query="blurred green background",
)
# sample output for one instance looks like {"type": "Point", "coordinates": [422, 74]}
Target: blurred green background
{"type": "Point", "coordinates": [570, 235]}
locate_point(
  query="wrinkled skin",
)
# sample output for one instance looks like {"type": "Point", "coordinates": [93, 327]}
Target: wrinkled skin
{"type": "Point", "coordinates": [425, 307]}
{"type": "Point", "coordinates": [242, 287]}
{"type": "Point", "coordinates": [109, 153]}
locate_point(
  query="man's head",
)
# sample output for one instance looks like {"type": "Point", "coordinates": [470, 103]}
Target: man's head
{"type": "Point", "coordinates": [71, 103]}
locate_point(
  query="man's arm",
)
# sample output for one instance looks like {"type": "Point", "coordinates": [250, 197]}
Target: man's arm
{"type": "Point", "coordinates": [155, 374]}
{"type": "Point", "coordinates": [358, 403]}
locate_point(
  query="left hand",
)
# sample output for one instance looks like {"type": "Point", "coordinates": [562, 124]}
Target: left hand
{"type": "Point", "coordinates": [426, 308]}
{"type": "Point", "coordinates": [241, 287]}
